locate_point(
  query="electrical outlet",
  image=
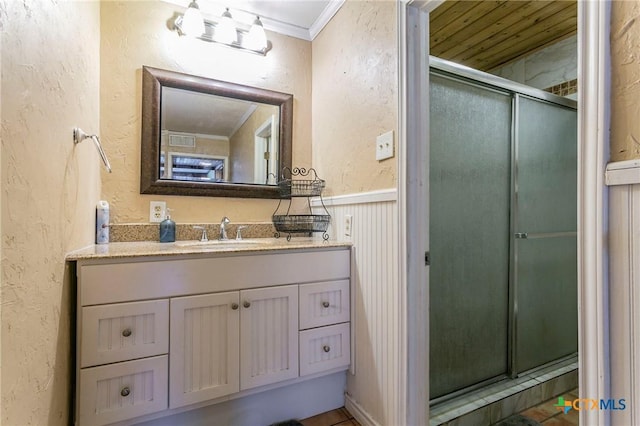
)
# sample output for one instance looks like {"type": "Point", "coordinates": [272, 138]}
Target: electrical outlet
{"type": "Point", "coordinates": [157, 211]}
{"type": "Point", "coordinates": [348, 224]}
{"type": "Point", "coordinates": [384, 146]}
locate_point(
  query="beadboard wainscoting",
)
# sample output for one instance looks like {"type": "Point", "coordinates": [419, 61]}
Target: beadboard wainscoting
{"type": "Point", "coordinates": [373, 385]}
{"type": "Point", "coordinates": [623, 179]}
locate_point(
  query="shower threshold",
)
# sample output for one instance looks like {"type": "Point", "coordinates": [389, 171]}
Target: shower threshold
{"type": "Point", "coordinates": [498, 400]}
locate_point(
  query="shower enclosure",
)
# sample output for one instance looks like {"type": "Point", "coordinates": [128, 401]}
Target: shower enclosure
{"type": "Point", "coordinates": [502, 229]}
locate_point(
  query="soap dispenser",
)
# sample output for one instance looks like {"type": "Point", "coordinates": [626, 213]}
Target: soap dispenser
{"type": "Point", "coordinates": [167, 229]}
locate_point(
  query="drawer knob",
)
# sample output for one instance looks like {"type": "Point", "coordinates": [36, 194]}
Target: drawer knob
{"type": "Point", "coordinates": [126, 332]}
{"type": "Point", "coordinates": [246, 304]}
{"type": "Point", "coordinates": [125, 391]}
{"type": "Point", "coordinates": [234, 306]}
{"type": "Point", "coordinates": [325, 304]}
{"type": "Point", "coordinates": [326, 348]}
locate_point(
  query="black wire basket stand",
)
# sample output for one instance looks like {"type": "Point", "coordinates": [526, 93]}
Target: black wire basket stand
{"type": "Point", "coordinates": [300, 182]}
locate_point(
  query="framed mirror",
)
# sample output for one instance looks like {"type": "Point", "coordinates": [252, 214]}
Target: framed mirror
{"type": "Point", "coordinates": [208, 137]}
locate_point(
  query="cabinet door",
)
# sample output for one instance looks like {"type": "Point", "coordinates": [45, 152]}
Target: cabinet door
{"type": "Point", "coordinates": [269, 335]}
{"type": "Point", "coordinates": [204, 348]}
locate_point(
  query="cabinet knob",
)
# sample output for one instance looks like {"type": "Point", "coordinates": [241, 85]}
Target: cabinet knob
{"type": "Point", "coordinates": [325, 304]}
{"type": "Point", "coordinates": [125, 391]}
{"type": "Point", "coordinates": [246, 304]}
{"type": "Point", "coordinates": [326, 348]}
{"type": "Point", "coordinates": [234, 306]}
{"type": "Point", "coordinates": [126, 332]}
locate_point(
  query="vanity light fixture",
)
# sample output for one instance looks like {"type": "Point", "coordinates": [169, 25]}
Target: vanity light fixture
{"type": "Point", "coordinates": [223, 30]}
{"type": "Point", "coordinates": [192, 21]}
{"type": "Point", "coordinates": [226, 31]}
{"type": "Point", "coordinates": [257, 39]}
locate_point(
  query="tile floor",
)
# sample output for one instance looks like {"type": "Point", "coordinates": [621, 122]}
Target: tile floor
{"type": "Point", "coordinates": [339, 417]}
{"type": "Point", "coordinates": [545, 414]}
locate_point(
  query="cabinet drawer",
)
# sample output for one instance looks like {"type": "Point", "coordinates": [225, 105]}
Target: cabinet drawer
{"type": "Point", "coordinates": [124, 331]}
{"type": "Point", "coordinates": [122, 391]}
{"type": "Point", "coordinates": [324, 303]}
{"type": "Point", "coordinates": [324, 348]}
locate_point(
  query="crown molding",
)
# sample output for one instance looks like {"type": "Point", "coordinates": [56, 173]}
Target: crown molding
{"type": "Point", "coordinates": [324, 18]}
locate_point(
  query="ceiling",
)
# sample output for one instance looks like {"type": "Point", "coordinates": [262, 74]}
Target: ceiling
{"type": "Point", "coordinates": [297, 18]}
{"type": "Point", "coordinates": [194, 112]}
{"type": "Point", "coordinates": [487, 34]}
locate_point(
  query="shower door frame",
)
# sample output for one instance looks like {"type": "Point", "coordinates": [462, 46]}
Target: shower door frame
{"type": "Point", "coordinates": [413, 192]}
{"type": "Point", "coordinates": [472, 77]}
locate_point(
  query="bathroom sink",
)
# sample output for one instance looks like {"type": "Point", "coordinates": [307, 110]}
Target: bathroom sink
{"type": "Point", "coordinates": [220, 243]}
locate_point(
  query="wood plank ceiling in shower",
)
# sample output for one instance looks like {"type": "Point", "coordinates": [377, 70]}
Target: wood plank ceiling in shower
{"type": "Point", "coordinates": [487, 34]}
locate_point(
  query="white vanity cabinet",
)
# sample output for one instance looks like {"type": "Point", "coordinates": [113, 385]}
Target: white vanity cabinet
{"type": "Point", "coordinates": [225, 342]}
{"type": "Point", "coordinates": [324, 326]}
{"type": "Point", "coordinates": [268, 335]}
{"type": "Point", "coordinates": [157, 335]}
{"type": "Point", "coordinates": [205, 347]}
{"type": "Point", "coordinates": [114, 384]}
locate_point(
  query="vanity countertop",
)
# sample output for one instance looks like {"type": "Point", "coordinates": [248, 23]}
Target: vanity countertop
{"type": "Point", "coordinates": [152, 248]}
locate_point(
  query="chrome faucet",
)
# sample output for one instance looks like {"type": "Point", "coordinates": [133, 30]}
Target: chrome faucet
{"type": "Point", "coordinates": [223, 228]}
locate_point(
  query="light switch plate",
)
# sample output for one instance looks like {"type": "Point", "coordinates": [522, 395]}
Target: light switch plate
{"type": "Point", "coordinates": [384, 146]}
{"type": "Point", "coordinates": [157, 211]}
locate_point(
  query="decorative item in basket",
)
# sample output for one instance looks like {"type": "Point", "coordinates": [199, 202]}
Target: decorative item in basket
{"type": "Point", "coordinates": [292, 187]}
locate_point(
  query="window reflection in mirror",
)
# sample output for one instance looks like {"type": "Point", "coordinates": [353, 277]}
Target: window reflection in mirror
{"type": "Point", "coordinates": [193, 167]}
{"type": "Point", "coordinates": [209, 138]}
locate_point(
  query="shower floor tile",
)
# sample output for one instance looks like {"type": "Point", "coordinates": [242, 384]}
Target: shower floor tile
{"type": "Point", "coordinates": [531, 397]}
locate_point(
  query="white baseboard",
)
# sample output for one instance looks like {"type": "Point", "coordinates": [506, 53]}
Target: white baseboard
{"type": "Point", "coordinates": [358, 412]}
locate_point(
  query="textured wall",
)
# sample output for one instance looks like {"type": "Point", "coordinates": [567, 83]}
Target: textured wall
{"type": "Point", "coordinates": [49, 187]}
{"type": "Point", "coordinates": [625, 80]}
{"type": "Point", "coordinates": [355, 87]}
{"type": "Point", "coordinates": [135, 33]}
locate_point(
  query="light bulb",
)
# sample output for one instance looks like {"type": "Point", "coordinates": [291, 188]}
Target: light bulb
{"type": "Point", "coordinates": [257, 39]}
{"type": "Point", "coordinates": [226, 29]}
{"type": "Point", "coordinates": [192, 21]}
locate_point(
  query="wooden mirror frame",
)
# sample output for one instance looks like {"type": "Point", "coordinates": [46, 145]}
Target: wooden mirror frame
{"type": "Point", "coordinates": [153, 80]}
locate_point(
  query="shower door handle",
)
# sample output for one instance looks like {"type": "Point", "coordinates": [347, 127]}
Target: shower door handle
{"type": "Point", "coordinates": [521, 235]}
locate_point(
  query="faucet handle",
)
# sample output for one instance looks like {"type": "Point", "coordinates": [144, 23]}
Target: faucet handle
{"type": "Point", "coordinates": [203, 237]}
{"type": "Point", "coordinates": [239, 231]}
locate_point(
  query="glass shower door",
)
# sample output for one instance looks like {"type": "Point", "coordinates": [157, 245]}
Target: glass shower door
{"type": "Point", "coordinates": [545, 243]}
{"type": "Point", "coordinates": [470, 150]}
